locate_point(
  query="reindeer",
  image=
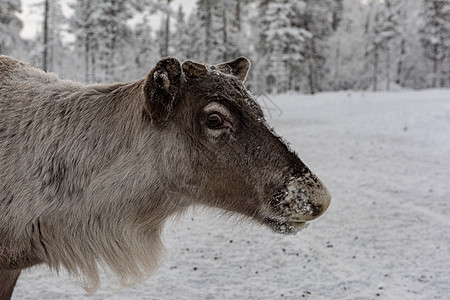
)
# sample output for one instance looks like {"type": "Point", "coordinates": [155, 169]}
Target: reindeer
{"type": "Point", "coordinates": [90, 173]}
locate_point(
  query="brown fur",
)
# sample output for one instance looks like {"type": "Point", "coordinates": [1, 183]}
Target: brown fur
{"type": "Point", "coordinates": [91, 173]}
{"type": "Point", "coordinates": [8, 279]}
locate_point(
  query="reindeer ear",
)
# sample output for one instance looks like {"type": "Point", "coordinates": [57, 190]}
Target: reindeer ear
{"type": "Point", "coordinates": [192, 69]}
{"type": "Point", "coordinates": [238, 67]}
{"type": "Point", "coordinates": [161, 88]}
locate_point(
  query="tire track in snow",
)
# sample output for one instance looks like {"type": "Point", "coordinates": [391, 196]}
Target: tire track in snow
{"type": "Point", "coordinates": [404, 204]}
{"type": "Point", "coordinates": [423, 210]}
{"type": "Point", "coordinates": [374, 194]}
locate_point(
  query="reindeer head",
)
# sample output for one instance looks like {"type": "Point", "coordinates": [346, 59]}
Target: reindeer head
{"type": "Point", "coordinates": [224, 153]}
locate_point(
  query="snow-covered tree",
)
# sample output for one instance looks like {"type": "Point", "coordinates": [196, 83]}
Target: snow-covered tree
{"type": "Point", "coordinates": [304, 45]}
{"type": "Point", "coordinates": [434, 35]}
{"type": "Point", "coordinates": [193, 39]}
{"type": "Point", "coordinates": [45, 32]}
{"type": "Point", "coordinates": [166, 30]}
{"type": "Point", "coordinates": [56, 50]}
{"type": "Point", "coordinates": [399, 78]}
{"type": "Point", "coordinates": [282, 43]}
{"type": "Point", "coordinates": [204, 13]}
{"type": "Point", "coordinates": [10, 25]}
{"type": "Point", "coordinates": [345, 47]}
{"type": "Point", "coordinates": [381, 27]}
{"type": "Point", "coordinates": [181, 38]}
{"type": "Point", "coordinates": [220, 30]}
{"type": "Point", "coordinates": [84, 25]}
{"type": "Point", "coordinates": [293, 42]}
{"type": "Point", "coordinates": [317, 18]}
{"type": "Point", "coordinates": [213, 32]}
{"type": "Point", "coordinates": [374, 40]}
{"type": "Point", "coordinates": [227, 28]}
{"type": "Point", "coordinates": [47, 49]}
{"type": "Point", "coordinates": [337, 12]}
{"type": "Point", "coordinates": [391, 31]}
{"type": "Point", "coordinates": [112, 34]}
{"type": "Point", "coordinates": [144, 44]}
{"type": "Point", "coordinates": [410, 67]}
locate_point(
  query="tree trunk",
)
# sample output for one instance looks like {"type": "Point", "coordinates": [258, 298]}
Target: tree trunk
{"type": "Point", "coordinates": [448, 64]}
{"type": "Point", "coordinates": [312, 88]}
{"type": "Point", "coordinates": [86, 59]}
{"type": "Point", "coordinates": [87, 44]}
{"type": "Point", "coordinates": [238, 15]}
{"type": "Point", "coordinates": [45, 54]}
{"type": "Point", "coordinates": [388, 67]}
{"type": "Point", "coordinates": [399, 79]}
{"type": "Point", "coordinates": [312, 76]}
{"type": "Point", "coordinates": [112, 64]}
{"type": "Point", "coordinates": [93, 67]}
{"type": "Point", "coordinates": [208, 34]}
{"type": "Point", "coordinates": [167, 33]}
{"type": "Point", "coordinates": [224, 33]}
{"type": "Point", "coordinates": [435, 66]}
{"type": "Point", "coordinates": [51, 39]}
{"type": "Point", "coordinates": [375, 69]}
{"type": "Point", "coordinates": [336, 64]}
{"type": "Point", "coordinates": [291, 77]}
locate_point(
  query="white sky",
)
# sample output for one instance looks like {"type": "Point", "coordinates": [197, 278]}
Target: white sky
{"type": "Point", "coordinates": [32, 14]}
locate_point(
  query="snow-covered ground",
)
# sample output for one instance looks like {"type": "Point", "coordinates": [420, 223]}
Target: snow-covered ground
{"type": "Point", "coordinates": [385, 157]}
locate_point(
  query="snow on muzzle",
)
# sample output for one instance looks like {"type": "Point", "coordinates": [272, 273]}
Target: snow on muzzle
{"type": "Point", "coordinates": [303, 199]}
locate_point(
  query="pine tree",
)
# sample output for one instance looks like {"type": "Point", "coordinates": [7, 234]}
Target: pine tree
{"type": "Point", "coordinates": [221, 30]}
{"type": "Point", "coordinates": [164, 32]}
{"type": "Point", "coordinates": [374, 41]}
{"type": "Point", "coordinates": [434, 34]}
{"type": "Point", "coordinates": [167, 31]}
{"type": "Point", "coordinates": [181, 43]}
{"type": "Point", "coordinates": [161, 40]}
{"type": "Point", "coordinates": [381, 27]}
{"type": "Point", "coordinates": [45, 31]}
{"type": "Point", "coordinates": [360, 39]}
{"type": "Point", "coordinates": [282, 42]}
{"type": "Point", "coordinates": [57, 51]}
{"type": "Point", "coordinates": [143, 47]}
{"type": "Point", "coordinates": [205, 11]}
{"type": "Point", "coordinates": [111, 34]}
{"type": "Point", "coordinates": [83, 24]}
{"type": "Point", "coordinates": [47, 49]}
{"type": "Point", "coordinates": [337, 11]}
{"type": "Point", "coordinates": [317, 19]}
{"type": "Point", "coordinates": [194, 39]}
{"type": "Point", "coordinates": [390, 31]}
{"type": "Point", "coordinates": [229, 41]}
{"type": "Point", "coordinates": [399, 78]}
{"type": "Point", "coordinates": [10, 25]}
{"type": "Point", "coordinates": [293, 42]}
{"type": "Point", "coordinates": [410, 67]}
{"type": "Point", "coordinates": [346, 48]}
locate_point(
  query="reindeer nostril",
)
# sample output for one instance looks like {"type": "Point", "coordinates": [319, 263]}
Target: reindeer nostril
{"type": "Point", "coordinates": [316, 210]}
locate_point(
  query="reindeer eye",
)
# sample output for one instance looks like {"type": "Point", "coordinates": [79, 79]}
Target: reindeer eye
{"type": "Point", "coordinates": [214, 121]}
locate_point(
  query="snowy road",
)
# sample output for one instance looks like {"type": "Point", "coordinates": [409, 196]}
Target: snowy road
{"type": "Point", "coordinates": [385, 158]}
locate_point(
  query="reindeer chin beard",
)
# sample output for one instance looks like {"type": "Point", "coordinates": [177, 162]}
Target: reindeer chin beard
{"type": "Point", "coordinates": [286, 228]}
